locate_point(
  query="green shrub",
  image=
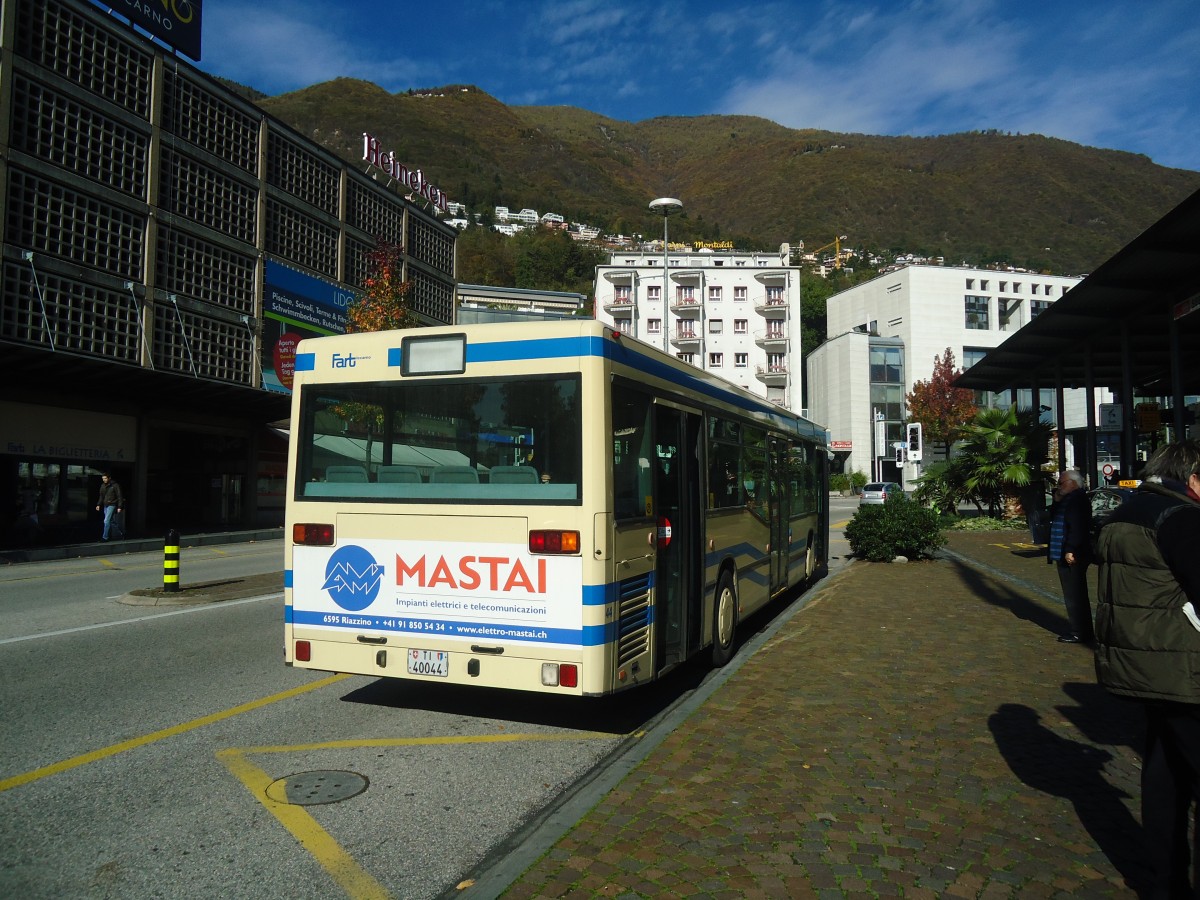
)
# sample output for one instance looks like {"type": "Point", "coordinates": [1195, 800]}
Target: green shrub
{"type": "Point", "coordinates": [899, 527]}
{"type": "Point", "coordinates": [858, 481]}
{"type": "Point", "coordinates": [839, 482]}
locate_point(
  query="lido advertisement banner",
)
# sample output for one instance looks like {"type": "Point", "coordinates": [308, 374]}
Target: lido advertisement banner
{"type": "Point", "coordinates": [296, 306]}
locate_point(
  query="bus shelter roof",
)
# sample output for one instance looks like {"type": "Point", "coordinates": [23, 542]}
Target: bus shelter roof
{"type": "Point", "coordinates": [1138, 312]}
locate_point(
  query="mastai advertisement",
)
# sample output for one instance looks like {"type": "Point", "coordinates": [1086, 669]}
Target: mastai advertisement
{"type": "Point", "coordinates": [491, 592]}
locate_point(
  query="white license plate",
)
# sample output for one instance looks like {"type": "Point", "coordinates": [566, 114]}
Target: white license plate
{"type": "Point", "coordinates": [429, 662]}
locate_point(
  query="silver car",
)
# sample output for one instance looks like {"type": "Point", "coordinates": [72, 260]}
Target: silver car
{"type": "Point", "coordinates": [877, 492]}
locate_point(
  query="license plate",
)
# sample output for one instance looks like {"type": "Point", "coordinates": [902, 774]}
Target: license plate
{"type": "Point", "coordinates": [429, 662]}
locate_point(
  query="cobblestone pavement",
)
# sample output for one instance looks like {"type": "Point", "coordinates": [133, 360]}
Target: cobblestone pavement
{"type": "Point", "coordinates": [914, 731]}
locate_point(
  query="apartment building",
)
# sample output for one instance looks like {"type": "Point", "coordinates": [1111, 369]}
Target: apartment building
{"type": "Point", "coordinates": [885, 334]}
{"type": "Point", "coordinates": [733, 313]}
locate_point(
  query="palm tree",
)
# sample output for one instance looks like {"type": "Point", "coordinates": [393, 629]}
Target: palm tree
{"type": "Point", "coordinates": [1002, 451]}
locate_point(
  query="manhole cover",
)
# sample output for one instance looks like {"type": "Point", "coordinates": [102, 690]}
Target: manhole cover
{"type": "Point", "coordinates": [315, 788]}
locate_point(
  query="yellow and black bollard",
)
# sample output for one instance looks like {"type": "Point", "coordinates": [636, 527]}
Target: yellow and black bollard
{"type": "Point", "coordinates": [171, 562]}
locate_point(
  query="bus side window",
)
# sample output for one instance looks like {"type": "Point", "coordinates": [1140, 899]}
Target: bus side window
{"type": "Point", "coordinates": [632, 453]}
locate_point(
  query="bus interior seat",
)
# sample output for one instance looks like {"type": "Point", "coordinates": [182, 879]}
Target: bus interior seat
{"type": "Point", "coordinates": [454, 475]}
{"type": "Point", "coordinates": [399, 474]}
{"type": "Point", "coordinates": [355, 474]}
{"type": "Point", "coordinates": [514, 475]}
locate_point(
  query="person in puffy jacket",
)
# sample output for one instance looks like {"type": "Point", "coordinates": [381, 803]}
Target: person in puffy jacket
{"type": "Point", "coordinates": [1148, 645]}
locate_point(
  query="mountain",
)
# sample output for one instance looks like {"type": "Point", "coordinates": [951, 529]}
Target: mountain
{"type": "Point", "coordinates": [982, 197]}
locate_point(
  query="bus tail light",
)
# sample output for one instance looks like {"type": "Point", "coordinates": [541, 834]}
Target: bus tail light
{"type": "Point", "coordinates": [549, 541]}
{"type": "Point", "coordinates": [303, 651]}
{"type": "Point", "coordinates": [310, 535]}
{"type": "Point", "coordinates": [560, 675]}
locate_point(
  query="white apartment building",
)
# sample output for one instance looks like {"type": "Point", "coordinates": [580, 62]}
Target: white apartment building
{"type": "Point", "coordinates": [733, 313]}
{"type": "Point", "coordinates": [885, 334]}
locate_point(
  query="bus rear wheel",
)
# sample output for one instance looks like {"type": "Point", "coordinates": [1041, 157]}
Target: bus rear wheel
{"type": "Point", "coordinates": [724, 620]}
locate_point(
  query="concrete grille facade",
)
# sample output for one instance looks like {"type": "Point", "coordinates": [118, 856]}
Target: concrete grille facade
{"type": "Point", "coordinates": [142, 201]}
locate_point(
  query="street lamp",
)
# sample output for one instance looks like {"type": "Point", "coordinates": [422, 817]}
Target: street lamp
{"type": "Point", "coordinates": [666, 206]}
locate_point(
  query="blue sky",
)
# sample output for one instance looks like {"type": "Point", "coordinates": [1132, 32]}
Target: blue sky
{"type": "Point", "coordinates": [1122, 75]}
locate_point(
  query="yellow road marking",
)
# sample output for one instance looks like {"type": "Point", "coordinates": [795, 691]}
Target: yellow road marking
{"type": "Point", "coordinates": [143, 740]}
{"type": "Point", "coordinates": [341, 866]}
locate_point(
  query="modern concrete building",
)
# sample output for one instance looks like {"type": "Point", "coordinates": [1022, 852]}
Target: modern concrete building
{"type": "Point", "coordinates": [164, 244]}
{"type": "Point", "coordinates": [730, 312]}
{"type": "Point", "coordinates": [885, 334]}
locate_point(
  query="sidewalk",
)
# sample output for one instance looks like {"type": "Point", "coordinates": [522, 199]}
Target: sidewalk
{"type": "Point", "coordinates": [914, 730]}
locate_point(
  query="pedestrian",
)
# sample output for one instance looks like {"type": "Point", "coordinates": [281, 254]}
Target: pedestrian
{"type": "Point", "coordinates": [112, 502]}
{"type": "Point", "coordinates": [1148, 645]}
{"type": "Point", "coordinates": [1070, 550]}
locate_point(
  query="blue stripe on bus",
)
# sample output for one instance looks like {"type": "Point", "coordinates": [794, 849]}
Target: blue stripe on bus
{"type": "Point", "coordinates": [394, 357]}
{"type": "Point", "coordinates": [306, 362]}
{"type": "Point", "coordinates": [590, 636]}
{"type": "Point", "coordinates": [287, 578]}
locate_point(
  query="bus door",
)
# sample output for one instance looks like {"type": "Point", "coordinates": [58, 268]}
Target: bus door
{"type": "Point", "coordinates": [779, 513]}
{"type": "Point", "coordinates": [679, 568]}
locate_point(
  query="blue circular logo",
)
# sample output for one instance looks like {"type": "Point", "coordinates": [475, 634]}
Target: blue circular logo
{"type": "Point", "coordinates": [352, 578]}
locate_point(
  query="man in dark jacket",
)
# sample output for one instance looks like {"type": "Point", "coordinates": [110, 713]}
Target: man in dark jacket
{"type": "Point", "coordinates": [111, 502]}
{"type": "Point", "coordinates": [1071, 552]}
{"type": "Point", "coordinates": [1148, 644]}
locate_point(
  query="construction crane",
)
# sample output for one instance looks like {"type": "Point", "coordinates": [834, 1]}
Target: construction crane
{"type": "Point", "coordinates": [836, 244]}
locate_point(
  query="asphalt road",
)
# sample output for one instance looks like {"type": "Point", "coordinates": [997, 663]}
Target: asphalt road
{"type": "Point", "coordinates": [141, 747]}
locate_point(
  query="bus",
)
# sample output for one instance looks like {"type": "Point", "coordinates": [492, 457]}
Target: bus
{"type": "Point", "coordinates": [548, 507]}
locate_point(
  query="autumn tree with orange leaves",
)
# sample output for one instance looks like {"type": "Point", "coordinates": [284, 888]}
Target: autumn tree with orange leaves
{"type": "Point", "coordinates": [942, 409]}
{"type": "Point", "coordinates": [381, 306]}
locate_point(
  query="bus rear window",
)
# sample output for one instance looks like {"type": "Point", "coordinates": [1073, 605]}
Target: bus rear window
{"type": "Point", "coordinates": [422, 440]}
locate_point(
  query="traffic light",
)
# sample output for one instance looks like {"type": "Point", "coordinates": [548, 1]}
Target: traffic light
{"type": "Point", "coordinates": [900, 454]}
{"type": "Point", "coordinates": [914, 441]}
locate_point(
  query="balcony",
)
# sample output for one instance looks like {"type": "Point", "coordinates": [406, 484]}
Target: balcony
{"type": "Point", "coordinates": [771, 307]}
{"type": "Point", "coordinates": [684, 338]}
{"type": "Point", "coordinates": [775, 375]}
{"type": "Point", "coordinates": [772, 339]}
{"type": "Point", "coordinates": [619, 306]}
{"type": "Point", "coordinates": [685, 305]}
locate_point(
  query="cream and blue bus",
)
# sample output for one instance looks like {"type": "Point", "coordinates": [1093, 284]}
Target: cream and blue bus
{"type": "Point", "coordinates": [544, 507]}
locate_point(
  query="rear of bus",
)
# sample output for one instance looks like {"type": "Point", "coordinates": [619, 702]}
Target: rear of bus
{"type": "Point", "coordinates": [435, 517]}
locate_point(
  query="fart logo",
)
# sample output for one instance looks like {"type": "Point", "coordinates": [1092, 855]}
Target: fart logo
{"type": "Point", "coordinates": [352, 578]}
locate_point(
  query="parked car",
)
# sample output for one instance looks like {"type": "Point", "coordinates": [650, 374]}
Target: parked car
{"type": "Point", "coordinates": [1104, 502]}
{"type": "Point", "coordinates": [877, 492]}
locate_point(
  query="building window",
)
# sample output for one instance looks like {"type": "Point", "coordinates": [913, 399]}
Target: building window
{"type": "Point", "coordinates": [1037, 307]}
{"type": "Point", "coordinates": [654, 292]}
{"type": "Point", "coordinates": [775, 363]}
{"type": "Point", "coordinates": [741, 326]}
{"type": "Point", "coordinates": [1016, 287]}
{"type": "Point", "coordinates": [976, 313]}
{"type": "Point", "coordinates": [1033, 289]}
{"type": "Point", "coordinates": [775, 294]}
{"type": "Point", "coordinates": [741, 360]}
{"type": "Point", "coordinates": [714, 293]}
{"type": "Point", "coordinates": [654, 326]}
{"type": "Point", "coordinates": [623, 326]}
{"type": "Point", "coordinates": [716, 326]}
{"type": "Point", "coordinates": [983, 284]}
{"type": "Point", "coordinates": [1004, 287]}
{"type": "Point", "coordinates": [622, 294]}
{"type": "Point", "coordinates": [739, 294]}
{"type": "Point", "coordinates": [970, 284]}
{"type": "Point", "coordinates": [686, 329]}
{"type": "Point", "coordinates": [716, 360]}
{"type": "Point", "coordinates": [685, 293]}
{"type": "Point", "coordinates": [887, 365]}
{"type": "Point", "coordinates": [687, 357]}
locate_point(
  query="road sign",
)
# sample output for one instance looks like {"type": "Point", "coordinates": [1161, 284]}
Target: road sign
{"type": "Point", "coordinates": [1110, 417]}
{"type": "Point", "coordinates": [1107, 469]}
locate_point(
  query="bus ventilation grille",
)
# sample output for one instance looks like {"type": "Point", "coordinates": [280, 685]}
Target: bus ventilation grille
{"type": "Point", "coordinates": [633, 623]}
